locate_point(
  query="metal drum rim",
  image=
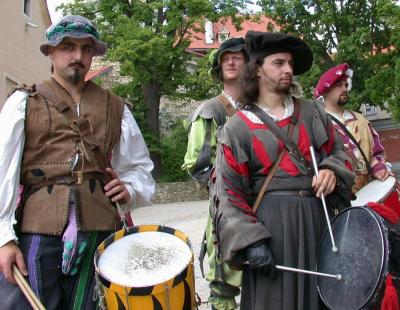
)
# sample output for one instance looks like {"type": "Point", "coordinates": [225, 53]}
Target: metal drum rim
{"type": "Point", "coordinates": [155, 288]}
{"type": "Point", "coordinates": [393, 187]}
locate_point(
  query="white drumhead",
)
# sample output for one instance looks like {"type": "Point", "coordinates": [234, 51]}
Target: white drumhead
{"type": "Point", "coordinates": [374, 191]}
{"type": "Point", "coordinates": [144, 259]}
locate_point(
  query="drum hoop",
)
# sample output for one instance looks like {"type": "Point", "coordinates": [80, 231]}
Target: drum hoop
{"type": "Point", "coordinates": [391, 190]}
{"type": "Point", "coordinates": [142, 290]}
{"type": "Point", "coordinates": [384, 261]}
{"type": "Point", "coordinates": [388, 193]}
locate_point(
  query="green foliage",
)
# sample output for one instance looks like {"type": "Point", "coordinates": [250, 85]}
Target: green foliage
{"type": "Point", "coordinates": [365, 34]}
{"type": "Point", "coordinates": [173, 149]}
{"type": "Point", "coordinates": [129, 92]}
{"type": "Point", "coordinates": [200, 85]}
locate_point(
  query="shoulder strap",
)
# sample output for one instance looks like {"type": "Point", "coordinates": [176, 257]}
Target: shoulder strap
{"type": "Point", "coordinates": [228, 106]}
{"type": "Point", "coordinates": [271, 173]}
{"type": "Point", "coordinates": [279, 134]}
{"type": "Point", "coordinates": [79, 124]}
{"type": "Point", "coordinates": [351, 137]}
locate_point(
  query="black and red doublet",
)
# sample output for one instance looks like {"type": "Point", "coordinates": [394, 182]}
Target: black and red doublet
{"type": "Point", "coordinates": [292, 223]}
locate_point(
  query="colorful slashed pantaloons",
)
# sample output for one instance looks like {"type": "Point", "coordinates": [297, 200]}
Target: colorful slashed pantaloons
{"type": "Point", "coordinates": [43, 257]}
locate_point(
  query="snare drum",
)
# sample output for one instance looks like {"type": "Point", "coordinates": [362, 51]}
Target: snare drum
{"type": "Point", "coordinates": [146, 267]}
{"type": "Point", "coordinates": [378, 191]}
{"type": "Point", "coordinates": [362, 260]}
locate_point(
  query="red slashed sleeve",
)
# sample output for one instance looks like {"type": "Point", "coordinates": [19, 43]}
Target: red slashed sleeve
{"type": "Point", "coordinates": [235, 223]}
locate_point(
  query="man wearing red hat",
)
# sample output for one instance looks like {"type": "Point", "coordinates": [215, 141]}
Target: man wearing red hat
{"type": "Point", "coordinates": [266, 206]}
{"type": "Point", "coordinates": [366, 153]}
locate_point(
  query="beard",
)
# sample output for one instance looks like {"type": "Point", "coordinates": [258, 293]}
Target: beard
{"type": "Point", "coordinates": [77, 73]}
{"type": "Point", "coordinates": [342, 102]}
{"type": "Point", "coordinates": [75, 78]}
{"type": "Point", "coordinates": [284, 89]}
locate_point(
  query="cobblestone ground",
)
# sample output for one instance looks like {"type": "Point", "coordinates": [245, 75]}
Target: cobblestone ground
{"type": "Point", "coordinates": [188, 217]}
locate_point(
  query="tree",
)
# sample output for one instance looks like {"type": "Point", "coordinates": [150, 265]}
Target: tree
{"type": "Point", "coordinates": [148, 38]}
{"type": "Point", "coordinates": [365, 34]}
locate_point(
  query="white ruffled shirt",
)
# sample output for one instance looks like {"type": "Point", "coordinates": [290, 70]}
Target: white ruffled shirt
{"type": "Point", "coordinates": [289, 108]}
{"type": "Point", "coordinates": [343, 117]}
{"type": "Point", "coordinates": [130, 159]}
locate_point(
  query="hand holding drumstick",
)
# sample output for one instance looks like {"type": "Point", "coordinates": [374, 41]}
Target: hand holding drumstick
{"type": "Point", "coordinates": [26, 289]}
{"type": "Point", "coordinates": [11, 262]}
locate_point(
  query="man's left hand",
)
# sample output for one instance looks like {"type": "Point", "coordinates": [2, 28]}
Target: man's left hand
{"type": "Point", "coordinates": [116, 189]}
{"type": "Point", "coordinates": [382, 174]}
{"type": "Point", "coordinates": [325, 182]}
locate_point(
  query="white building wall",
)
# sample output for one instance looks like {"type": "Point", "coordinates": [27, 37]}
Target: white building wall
{"type": "Point", "coordinates": [20, 58]}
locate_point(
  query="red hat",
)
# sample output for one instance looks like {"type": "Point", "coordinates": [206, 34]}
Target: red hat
{"type": "Point", "coordinates": [331, 77]}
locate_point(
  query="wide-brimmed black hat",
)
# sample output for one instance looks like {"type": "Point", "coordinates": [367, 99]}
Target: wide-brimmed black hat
{"type": "Point", "coordinates": [230, 45]}
{"type": "Point", "coordinates": [269, 43]}
{"type": "Point", "coordinates": [73, 26]}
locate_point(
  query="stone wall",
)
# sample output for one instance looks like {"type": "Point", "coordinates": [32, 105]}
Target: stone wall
{"type": "Point", "coordinates": [112, 78]}
{"type": "Point", "coordinates": [173, 111]}
{"type": "Point", "coordinates": [179, 191]}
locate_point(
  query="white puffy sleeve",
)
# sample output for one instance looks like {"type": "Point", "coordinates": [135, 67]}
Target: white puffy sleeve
{"type": "Point", "coordinates": [12, 137]}
{"type": "Point", "coordinates": [131, 160]}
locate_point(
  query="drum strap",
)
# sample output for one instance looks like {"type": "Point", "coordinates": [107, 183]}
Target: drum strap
{"type": "Point", "coordinates": [266, 119]}
{"type": "Point", "coordinates": [351, 137]}
{"type": "Point", "coordinates": [291, 147]}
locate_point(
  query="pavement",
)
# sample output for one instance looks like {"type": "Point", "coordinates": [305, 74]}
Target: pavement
{"type": "Point", "coordinates": [188, 217]}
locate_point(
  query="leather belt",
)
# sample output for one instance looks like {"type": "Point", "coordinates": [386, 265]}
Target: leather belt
{"type": "Point", "coordinates": [67, 180]}
{"type": "Point", "coordinates": [301, 193]}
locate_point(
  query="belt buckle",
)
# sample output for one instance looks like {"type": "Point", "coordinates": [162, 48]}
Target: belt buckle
{"type": "Point", "coordinates": [77, 177]}
{"type": "Point", "coordinates": [302, 193]}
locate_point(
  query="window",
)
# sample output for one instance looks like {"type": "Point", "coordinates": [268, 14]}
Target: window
{"type": "Point", "coordinates": [223, 35]}
{"type": "Point", "coordinates": [27, 7]}
{"type": "Point", "coordinates": [370, 109]}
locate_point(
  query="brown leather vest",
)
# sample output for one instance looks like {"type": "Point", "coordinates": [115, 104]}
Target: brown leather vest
{"type": "Point", "coordinates": [50, 150]}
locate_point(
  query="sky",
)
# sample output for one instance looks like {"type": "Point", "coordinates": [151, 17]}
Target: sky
{"type": "Point", "coordinates": [52, 4]}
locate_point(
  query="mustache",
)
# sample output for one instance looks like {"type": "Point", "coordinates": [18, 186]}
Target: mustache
{"type": "Point", "coordinates": [76, 63]}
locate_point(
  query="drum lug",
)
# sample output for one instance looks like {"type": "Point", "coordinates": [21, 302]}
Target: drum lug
{"type": "Point", "coordinates": [335, 211]}
{"type": "Point", "coordinates": [198, 301]}
{"type": "Point", "coordinates": [99, 294]}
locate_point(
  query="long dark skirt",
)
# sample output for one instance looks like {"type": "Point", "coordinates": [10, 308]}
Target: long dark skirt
{"type": "Point", "coordinates": [296, 224]}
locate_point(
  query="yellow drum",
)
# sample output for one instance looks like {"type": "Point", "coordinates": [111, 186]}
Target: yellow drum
{"type": "Point", "coordinates": [146, 267]}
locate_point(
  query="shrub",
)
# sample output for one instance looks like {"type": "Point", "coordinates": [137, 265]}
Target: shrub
{"type": "Point", "coordinates": [173, 149]}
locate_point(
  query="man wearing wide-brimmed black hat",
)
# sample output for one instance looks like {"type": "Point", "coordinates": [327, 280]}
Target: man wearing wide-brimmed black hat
{"type": "Point", "coordinates": [267, 209]}
{"type": "Point", "coordinates": [227, 64]}
{"type": "Point", "coordinates": [81, 158]}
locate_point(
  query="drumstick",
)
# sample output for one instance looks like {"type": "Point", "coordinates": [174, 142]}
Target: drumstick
{"type": "Point", "coordinates": [334, 248]}
{"type": "Point", "coordinates": [26, 289]}
{"type": "Point", "coordinates": [321, 274]}
{"type": "Point", "coordinates": [284, 268]}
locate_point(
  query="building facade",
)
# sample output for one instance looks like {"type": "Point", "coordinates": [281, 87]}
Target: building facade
{"type": "Point", "coordinates": [22, 27]}
{"type": "Point", "coordinates": [217, 32]}
{"type": "Point", "coordinates": [388, 130]}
